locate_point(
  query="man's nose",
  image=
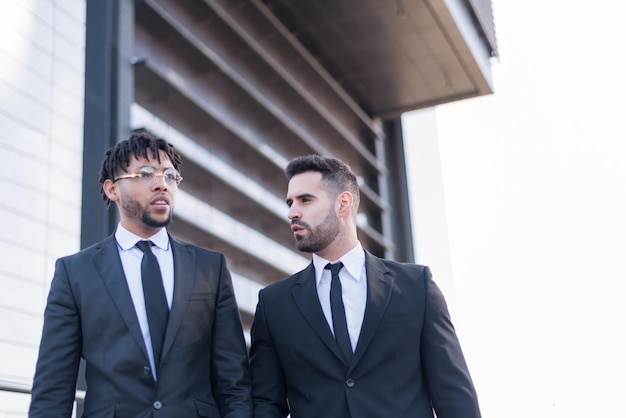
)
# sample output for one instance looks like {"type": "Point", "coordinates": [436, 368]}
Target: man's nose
{"type": "Point", "coordinates": [293, 213]}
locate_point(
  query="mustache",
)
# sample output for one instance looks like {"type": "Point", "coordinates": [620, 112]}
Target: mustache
{"type": "Point", "coordinates": [301, 223]}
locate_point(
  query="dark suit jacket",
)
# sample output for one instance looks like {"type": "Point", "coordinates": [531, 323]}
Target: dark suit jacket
{"type": "Point", "coordinates": [407, 361]}
{"type": "Point", "coordinates": [204, 366]}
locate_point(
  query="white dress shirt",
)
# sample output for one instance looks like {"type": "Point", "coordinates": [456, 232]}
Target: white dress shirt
{"type": "Point", "coordinates": [353, 289]}
{"type": "Point", "coordinates": [131, 262]}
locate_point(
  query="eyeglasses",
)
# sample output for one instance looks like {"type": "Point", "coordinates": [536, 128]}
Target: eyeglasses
{"type": "Point", "coordinates": [148, 175]}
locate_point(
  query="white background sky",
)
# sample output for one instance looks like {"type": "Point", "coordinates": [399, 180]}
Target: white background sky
{"type": "Point", "coordinates": [534, 181]}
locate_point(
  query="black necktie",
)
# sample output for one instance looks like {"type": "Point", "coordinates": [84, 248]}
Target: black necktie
{"type": "Point", "coordinates": [157, 309]}
{"type": "Point", "coordinates": [340, 325]}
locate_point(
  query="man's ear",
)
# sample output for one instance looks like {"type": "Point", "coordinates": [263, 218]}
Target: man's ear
{"type": "Point", "coordinates": [111, 190]}
{"type": "Point", "coordinates": [345, 203]}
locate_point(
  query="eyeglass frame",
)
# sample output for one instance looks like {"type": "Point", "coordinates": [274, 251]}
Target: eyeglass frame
{"type": "Point", "coordinates": [152, 175]}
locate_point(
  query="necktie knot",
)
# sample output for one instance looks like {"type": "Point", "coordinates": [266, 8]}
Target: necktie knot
{"type": "Point", "coordinates": [145, 246]}
{"type": "Point", "coordinates": [334, 268]}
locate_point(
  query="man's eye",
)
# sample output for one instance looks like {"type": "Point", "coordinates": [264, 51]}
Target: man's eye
{"type": "Point", "coordinates": [170, 174]}
{"type": "Point", "coordinates": [145, 174]}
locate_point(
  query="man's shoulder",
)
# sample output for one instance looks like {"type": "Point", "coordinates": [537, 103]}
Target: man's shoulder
{"type": "Point", "coordinates": [400, 269]}
{"type": "Point", "coordinates": [399, 265]}
{"type": "Point", "coordinates": [394, 264]}
{"type": "Point", "coordinates": [177, 242]}
{"type": "Point", "coordinates": [87, 251]}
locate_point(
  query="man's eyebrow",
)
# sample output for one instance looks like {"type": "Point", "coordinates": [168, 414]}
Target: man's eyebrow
{"type": "Point", "coordinates": [299, 197]}
{"type": "Point", "coordinates": [303, 195]}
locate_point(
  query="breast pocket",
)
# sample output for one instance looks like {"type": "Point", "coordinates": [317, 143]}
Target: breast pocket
{"type": "Point", "coordinates": [202, 296]}
{"type": "Point", "coordinates": [198, 320]}
{"type": "Point", "coordinates": [404, 319]}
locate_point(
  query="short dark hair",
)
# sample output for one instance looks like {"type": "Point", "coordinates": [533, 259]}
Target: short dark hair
{"type": "Point", "coordinates": [117, 158]}
{"type": "Point", "coordinates": [336, 174]}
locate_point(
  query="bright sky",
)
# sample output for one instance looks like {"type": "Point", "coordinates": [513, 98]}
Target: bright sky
{"type": "Point", "coordinates": [534, 181]}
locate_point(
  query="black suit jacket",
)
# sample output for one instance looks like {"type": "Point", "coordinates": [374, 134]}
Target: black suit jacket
{"type": "Point", "coordinates": [90, 314]}
{"type": "Point", "coordinates": [407, 361]}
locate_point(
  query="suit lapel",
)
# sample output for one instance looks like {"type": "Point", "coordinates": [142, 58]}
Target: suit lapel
{"type": "Point", "coordinates": [380, 282]}
{"type": "Point", "coordinates": [307, 301]}
{"type": "Point", "coordinates": [107, 260]}
{"type": "Point", "coordinates": [184, 266]}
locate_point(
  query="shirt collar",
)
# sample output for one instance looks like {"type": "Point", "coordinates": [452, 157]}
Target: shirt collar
{"type": "Point", "coordinates": [127, 240]}
{"type": "Point", "coordinates": [353, 261]}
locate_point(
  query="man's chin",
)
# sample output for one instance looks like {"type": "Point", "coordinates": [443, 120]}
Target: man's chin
{"type": "Point", "coordinates": [157, 223]}
{"type": "Point", "coordinates": [302, 246]}
{"type": "Point", "coordinates": [306, 247]}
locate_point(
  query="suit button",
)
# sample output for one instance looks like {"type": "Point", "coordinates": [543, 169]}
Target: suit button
{"type": "Point", "coordinates": [157, 405]}
{"type": "Point", "coordinates": [147, 371]}
{"type": "Point", "coordinates": [350, 383]}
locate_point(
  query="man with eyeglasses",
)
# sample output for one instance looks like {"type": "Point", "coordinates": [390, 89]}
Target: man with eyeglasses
{"type": "Point", "coordinates": [154, 318]}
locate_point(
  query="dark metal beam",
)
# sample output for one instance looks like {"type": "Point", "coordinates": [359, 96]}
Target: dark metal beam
{"type": "Point", "coordinates": [401, 230]}
{"type": "Point", "coordinates": [108, 96]}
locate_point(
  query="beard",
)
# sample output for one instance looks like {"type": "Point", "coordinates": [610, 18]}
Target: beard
{"type": "Point", "coordinates": [319, 237]}
{"type": "Point", "coordinates": [135, 209]}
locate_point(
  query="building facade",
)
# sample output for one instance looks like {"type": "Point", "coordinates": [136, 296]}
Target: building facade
{"type": "Point", "coordinates": [239, 88]}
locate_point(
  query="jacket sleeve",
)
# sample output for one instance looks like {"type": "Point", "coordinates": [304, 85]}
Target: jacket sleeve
{"type": "Point", "coordinates": [269, 391]}
{"type": "Point", "coordinates": [230, 373]}
{"type": "Point", "coordinates": [54, 384]}
{"type": "Point", "coordinates": [447, 376]}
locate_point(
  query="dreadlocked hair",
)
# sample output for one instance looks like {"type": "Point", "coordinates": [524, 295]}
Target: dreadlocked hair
{"type": "Point", "coordinates": [117, 158]}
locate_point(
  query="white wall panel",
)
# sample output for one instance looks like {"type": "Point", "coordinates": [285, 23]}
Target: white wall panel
{"type": "Point", "coordinates": [41, 120]}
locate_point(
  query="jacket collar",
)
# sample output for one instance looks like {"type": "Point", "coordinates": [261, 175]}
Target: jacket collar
{"type": "Point", "coordinates": [107, 261]}
{"type": "Point", "coordinates": [379, 285]}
